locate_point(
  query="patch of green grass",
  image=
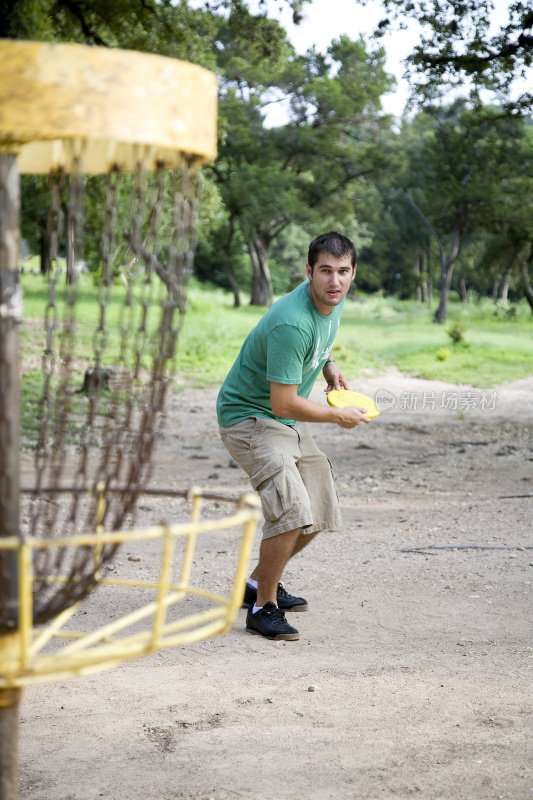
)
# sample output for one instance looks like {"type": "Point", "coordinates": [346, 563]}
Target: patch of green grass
{"type": "Point", "coordinates": [120, 320]}
{"type": "Point", "coordinates": [212, 334]}
{"type": "Point", "coordinates": [375, 333]}
{"type": "Point", "coordinates": [30, 392]}
{"type": "Point", "coordinates": [480, 365]}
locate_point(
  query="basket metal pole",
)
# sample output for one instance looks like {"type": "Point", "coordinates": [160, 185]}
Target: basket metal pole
{"type": "Point", "coordinates": [10, 317]}
{"type": "Point", "coordinates": [9, 724]}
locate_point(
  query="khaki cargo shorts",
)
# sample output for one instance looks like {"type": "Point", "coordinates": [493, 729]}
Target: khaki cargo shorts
{"type": "Point", "coordinates": [292, 476]}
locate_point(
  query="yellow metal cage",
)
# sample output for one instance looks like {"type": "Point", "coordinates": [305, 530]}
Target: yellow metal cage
{"type": "Point", "coordinates": [26, 656]}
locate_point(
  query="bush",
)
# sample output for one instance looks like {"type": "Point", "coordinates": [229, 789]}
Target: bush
{"type": "Point", "coordinates": [456, 332]}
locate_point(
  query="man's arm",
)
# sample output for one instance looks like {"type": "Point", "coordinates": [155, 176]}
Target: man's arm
{"type": "Point", "coordinates": [333, 376]}
{"type": "Point", "coordinates": [287, 403]}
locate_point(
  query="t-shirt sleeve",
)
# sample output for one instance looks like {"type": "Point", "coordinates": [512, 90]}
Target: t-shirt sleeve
{"type": "Point", "coordinates": [286, 349]}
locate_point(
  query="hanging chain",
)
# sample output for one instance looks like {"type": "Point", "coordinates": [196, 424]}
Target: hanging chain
{"type": "Point", "coordinates": [102, 431]}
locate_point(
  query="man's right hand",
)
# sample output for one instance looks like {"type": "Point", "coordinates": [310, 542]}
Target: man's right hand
{"type": "Point", "coordinates": [350, 416]}
{"type": "Point", "coordinates": [286, 403]}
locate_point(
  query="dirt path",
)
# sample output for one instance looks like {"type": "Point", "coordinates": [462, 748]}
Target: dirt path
{"type": "Point", "coordinates": [412, 677]}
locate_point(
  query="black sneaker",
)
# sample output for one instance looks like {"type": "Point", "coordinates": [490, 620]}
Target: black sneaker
{"type": "Point", "coordinates": [270, 622]}
{"type": "Point", "coordinates": [285, 600]}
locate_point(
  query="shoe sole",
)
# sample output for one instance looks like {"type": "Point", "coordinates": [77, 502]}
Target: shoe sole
{"type": "Point", "coordinates": [293, 608]}
{"type": "Point", "coordinates": [287, 637]}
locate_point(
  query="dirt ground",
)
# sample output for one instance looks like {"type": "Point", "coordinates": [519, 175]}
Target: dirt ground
{"type": "Point", "coordinates": [413, 673]}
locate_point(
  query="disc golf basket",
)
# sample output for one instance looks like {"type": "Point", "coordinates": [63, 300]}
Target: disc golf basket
{"type": "Point", "coordinates": [116, 138]}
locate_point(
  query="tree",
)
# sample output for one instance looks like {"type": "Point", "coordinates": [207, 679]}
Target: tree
{"type": "Point", "coordinates": [171, 28]}
{"type": "Point", "coordinates": [306, 171]}
{"type": "Point", "coordinates": [458, 158]}
{"type": "Point", "coordinates": [458, 43]}
{"type": "Point", "coordinates": [511, 224]}
{"type": "Point", "coordinates": [397, 258]}
{"type": "Point", "coordinates": [174, 30]}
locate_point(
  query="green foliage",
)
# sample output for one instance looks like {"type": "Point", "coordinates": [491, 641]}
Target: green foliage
{"type": "Point", "coordinates": [289, 255]}
{"type": "Point", "coordinates": [35, 202]}
{"type": "Point", "coordinates": [216, 258]}
{"type": "Point", "coordinates": [471, 41]}
{"type": "Point", "coordinates": [311, 172]}
{"type": "Point", "coordinates": [174, 30]}
{"type": "Point", "coordinates": [453, 188]}
{"type": "Point", "coordinates": [456, 333]}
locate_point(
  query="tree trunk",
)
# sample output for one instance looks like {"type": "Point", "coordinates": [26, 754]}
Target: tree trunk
{"type": "Point", "coordinates": [416, 273]}
{"type": "Point", "coordinates": [424, 276]}
{"type": "Point", "coordinates": [504, 292]}
{"type": "Point", "coordinates": [528, 288]}
{"type": "Point", "coordinates": [70, 243]}
{"type": "Point", "coordinates": [262, 291]}
{"type": "Point", "coordinates": [430, 276]}
{"type": "Point", "coordinates": [44, 247]}
{"type": "Point", "coordinates": [463, 294]}
{"type": "Point", "coordinates": [503, 285]}
{"type": "Point", "coordinates": [447, 273]}
{"type": "Point", "coordinates": [446, 280]}
{"type": "Point", "coordinates": [234, 285]}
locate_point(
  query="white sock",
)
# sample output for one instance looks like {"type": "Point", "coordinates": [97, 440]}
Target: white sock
{"type": "Point", "coordinates": [255, 609]}
{"type": "Point", "coordinates": [252, 583]}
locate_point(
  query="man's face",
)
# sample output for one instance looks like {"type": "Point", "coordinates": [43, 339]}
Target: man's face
{"type": "Point", "coordinates": [329, 281]}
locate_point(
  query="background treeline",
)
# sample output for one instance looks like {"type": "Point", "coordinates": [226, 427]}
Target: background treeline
{"type": "Point", "coordinates": [438, 203]}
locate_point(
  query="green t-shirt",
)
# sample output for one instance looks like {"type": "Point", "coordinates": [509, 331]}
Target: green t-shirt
{"type": "Point", "coordinates": [290, 344]}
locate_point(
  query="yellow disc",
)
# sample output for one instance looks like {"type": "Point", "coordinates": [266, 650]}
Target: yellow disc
{"type": "Point", "coordinates": [340, 398]}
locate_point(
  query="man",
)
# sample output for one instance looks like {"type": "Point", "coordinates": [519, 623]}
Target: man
{"type": "Point", "coordinates": [262, 409]}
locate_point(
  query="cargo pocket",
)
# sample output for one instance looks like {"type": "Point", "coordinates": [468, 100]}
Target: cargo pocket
{"type": "Point", "coordinates": [278, 486]}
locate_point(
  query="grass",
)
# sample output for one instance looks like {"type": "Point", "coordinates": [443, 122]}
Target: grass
{"type": "Point", "coordinates": [378, 333]}
{"type": "Point", "coordinates": [88, 309]}
{"type": "Point", "coordinates": [375, 333]}
{"type": "Point", "coordinates": [119, 342]}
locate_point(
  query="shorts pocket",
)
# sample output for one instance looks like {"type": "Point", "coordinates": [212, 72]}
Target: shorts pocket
{"type": "Point", "coordinates": [278, 486]}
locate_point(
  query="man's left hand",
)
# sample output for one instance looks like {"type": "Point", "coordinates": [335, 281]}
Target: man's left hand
{"type": "Point", "coordinates": [334, 377]}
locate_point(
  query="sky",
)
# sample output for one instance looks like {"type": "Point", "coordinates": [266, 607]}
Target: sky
{"type": "Point", "coordinates": [325, 20]}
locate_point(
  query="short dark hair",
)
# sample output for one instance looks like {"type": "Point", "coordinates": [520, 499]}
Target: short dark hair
{"type": "Point", "coordinates": [333, 243]}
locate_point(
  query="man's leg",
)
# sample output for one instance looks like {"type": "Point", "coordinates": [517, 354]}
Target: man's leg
{"type": "Point", "coordinates": [302, 541]}
{"type": "Point", "coordinates": [272, 570]}
{"type": "Point", "coordinates": [265, 617]}
{"type": "Point", "coordinates": [267, 450]}
{"type": "Point", "coordinates": [273, 556]}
